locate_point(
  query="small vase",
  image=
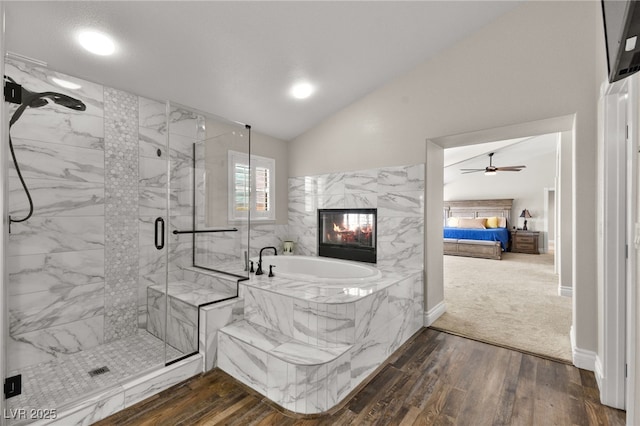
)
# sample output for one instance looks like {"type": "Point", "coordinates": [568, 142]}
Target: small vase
{"type": "Point", "coordinates": [288, 248]}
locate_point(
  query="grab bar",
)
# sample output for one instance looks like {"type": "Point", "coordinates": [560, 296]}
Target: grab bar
{"type": "Point", "coordinates": [202, 231]}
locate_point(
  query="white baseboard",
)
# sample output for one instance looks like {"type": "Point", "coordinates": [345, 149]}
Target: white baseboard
{"type": "Point", "coordinates": [598, 372]}
{"type": "Point", "coordinates": [434, 313]}
{"type": "Point", "coordinates": [582, 358]}
{"type": "Point", "coordinates": [565, 291]}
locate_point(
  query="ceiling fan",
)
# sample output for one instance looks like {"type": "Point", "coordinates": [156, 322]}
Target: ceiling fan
{"type": "Point", "coordinates": [491, 169]}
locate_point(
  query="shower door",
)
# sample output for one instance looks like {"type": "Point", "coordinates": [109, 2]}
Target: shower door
{"type": "Point", "coordinates": [222, 201]}
{"type": "Point", "coordinates": [186, 128]}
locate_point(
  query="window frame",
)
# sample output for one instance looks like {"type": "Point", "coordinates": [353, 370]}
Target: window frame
{"type": "Point", "coordinates": [253, 162]}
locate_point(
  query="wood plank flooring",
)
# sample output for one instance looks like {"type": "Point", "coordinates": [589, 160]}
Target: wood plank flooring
{"type": "Point", "coordinates": [434, 379]}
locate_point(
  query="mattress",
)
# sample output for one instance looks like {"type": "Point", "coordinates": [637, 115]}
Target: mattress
{"type": "Point", "coordinates": [494, 234]}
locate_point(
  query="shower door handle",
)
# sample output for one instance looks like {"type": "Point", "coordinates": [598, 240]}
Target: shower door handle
{"type": "Point", "coordinates": [159, 230]}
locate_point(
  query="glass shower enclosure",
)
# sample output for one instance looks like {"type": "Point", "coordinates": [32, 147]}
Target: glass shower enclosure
{"type": "Point", "coordinates": [126, 241]}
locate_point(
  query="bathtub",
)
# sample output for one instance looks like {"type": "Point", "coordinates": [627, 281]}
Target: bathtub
{"type": "Point", "coordinates": [319, 269]}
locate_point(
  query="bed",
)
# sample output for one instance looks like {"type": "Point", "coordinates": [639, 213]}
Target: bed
{"type": "Point", "coordinates": [474, 241]}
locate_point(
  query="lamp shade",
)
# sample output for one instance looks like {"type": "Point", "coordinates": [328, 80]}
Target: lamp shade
{"type": "Point", "coordinates": [525, 213]}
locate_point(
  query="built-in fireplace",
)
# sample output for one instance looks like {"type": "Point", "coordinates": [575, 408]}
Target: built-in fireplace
{"type": "Point", "coordinates": [347, 234]}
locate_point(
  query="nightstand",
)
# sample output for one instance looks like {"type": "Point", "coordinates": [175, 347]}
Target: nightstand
{"type": "Point", "coordinates": [525, 241]}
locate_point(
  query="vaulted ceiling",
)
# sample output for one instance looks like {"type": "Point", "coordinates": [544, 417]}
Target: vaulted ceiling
{"type": "Point", "coordinates": [238, 59]}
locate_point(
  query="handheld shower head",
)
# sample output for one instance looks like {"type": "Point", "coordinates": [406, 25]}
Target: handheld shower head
{"type": "Point", "coordinates": [31, 99]}
{"type": "Point", "coordinates": [37, 100]}
{"type": "Point", "coordinates": [28, 99]}
{"type": "Point", "coordinates": [64, 100]}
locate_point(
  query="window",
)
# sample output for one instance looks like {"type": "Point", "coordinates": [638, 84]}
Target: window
{"type": "Point", "coordinates": [256, 177]}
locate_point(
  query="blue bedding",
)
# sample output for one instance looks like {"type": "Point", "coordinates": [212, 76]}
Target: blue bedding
{"type": "Point", "coordinates": [494, 234]}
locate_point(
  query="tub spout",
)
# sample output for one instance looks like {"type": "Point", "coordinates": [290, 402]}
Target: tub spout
{"type": "Point", "coordinates": [259, 270]}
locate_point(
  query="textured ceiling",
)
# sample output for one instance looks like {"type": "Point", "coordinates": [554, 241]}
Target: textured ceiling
{"type": "Point", "coordinates": [238, 59]}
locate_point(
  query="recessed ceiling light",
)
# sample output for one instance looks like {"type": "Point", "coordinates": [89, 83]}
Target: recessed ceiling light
{"type": "Point", "coordinates": [66, 84]}
{"type": "Point", "coordinates": [302, 90]}
{"type": "Point", "coordinates": [97, 42]}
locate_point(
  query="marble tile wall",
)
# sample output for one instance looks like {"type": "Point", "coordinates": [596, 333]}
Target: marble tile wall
{"type": "Point", "coordinates": [78, 265]}
{"type": "Point", "coordinates": [397, 193]}
{"type": "Point", "coordinates": [212, 319]}
{"type": "Point", "coordinates": [182, 321]}
{"type": "Point", "coordinates": [121, 214]}
{"type": "Point", "coordinates": [56, 267]}
{"type": "Point", "coordinates": [153, 175]}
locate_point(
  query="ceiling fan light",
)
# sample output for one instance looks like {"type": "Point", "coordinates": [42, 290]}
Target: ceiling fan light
{"type": "Point", "coordinates": [490, 173]}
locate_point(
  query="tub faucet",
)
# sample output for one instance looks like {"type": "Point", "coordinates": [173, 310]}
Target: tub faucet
{"type": "Point", "coordinates": [259, 270]}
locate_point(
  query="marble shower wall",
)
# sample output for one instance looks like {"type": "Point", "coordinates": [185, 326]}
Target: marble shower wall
{"type": "Point", "coordinates": [78, 265]}
{"type": "Point", "coordinates": [397, 193]}
{"type": "Point", "coordinates": [121, 214]}
{"type": "Point", "coordinates": [56, 259]}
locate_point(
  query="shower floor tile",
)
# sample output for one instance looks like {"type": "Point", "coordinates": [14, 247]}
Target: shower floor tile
{"type": "Point", "coordinates": [53, 384]}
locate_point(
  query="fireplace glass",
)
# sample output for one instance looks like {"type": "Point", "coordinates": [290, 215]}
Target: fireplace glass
{"type": "Point", "coordinates": [347, 234]}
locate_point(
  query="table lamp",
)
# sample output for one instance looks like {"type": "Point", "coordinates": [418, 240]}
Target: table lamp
{"type": "Point", "coordinates": [526, 215]}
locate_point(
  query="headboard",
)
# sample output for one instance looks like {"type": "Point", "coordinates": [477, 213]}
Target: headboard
{"type": "Point", "coordinates": [478, 208]}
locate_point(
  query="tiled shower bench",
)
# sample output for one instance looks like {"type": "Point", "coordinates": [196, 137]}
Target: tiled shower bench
{"type": "Point", "coordinates": [196, 288]}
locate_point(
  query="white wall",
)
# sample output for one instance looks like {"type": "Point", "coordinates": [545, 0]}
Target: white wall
{"type": "Point", "coordinates": [540, 60]}
{"type": "Point", "coordinates": [267, 146]}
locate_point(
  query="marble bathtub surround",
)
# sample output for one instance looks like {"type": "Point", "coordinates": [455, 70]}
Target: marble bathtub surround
{"type": "Point", "coordinates": [397, 193]}
{"type": "Point", "coordinates": [306, 345]}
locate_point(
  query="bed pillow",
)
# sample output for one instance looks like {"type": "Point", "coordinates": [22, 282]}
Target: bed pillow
{"type": "Point", "coordinates": [492, 222]}
{"type": "Point", "coordinates": [452, 222]}
{"type": "Point", "coordinates": [502, 222]}
{"type": "Point", "coordinates": [472, 223]}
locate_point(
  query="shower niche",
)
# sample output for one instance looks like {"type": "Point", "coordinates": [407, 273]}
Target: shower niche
{"type": "Point", "coordinates": [348, 234]}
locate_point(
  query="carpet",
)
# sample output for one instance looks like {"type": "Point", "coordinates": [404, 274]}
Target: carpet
{"type": "Point", "coordinates": [511, 302]}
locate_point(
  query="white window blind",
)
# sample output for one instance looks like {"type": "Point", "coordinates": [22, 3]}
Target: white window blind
{"type": "Point", "coordinates": [254, 177]}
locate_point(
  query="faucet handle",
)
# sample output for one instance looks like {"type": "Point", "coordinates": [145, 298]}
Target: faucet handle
{"type": "Point", "coordinates": [251, 270]}
{"type": "Point", "coordinates": [271, 270]}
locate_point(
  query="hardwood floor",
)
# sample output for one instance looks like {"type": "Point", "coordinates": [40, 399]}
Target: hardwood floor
{"type": "Point", "coordinates": [434, 379]}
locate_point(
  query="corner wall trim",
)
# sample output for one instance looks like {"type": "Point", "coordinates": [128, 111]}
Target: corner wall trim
{"type": "Point", "coordinates": [434, 313]}
{"type": "Point", "coordinates": [582, 358]}
{"type": "Point", "coordinates": [565, 291]}
{"type": "Point", "coordinates": [598, 372]}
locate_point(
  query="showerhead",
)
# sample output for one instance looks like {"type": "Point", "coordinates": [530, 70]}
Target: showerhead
{"type": "Point", "coordinates": [37, 100]}
{"type": "Point", "coordinates": [64, 100]}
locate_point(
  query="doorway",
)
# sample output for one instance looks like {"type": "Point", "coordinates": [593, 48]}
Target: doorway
{"type": "Point", "coordinates": [512, 302]}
